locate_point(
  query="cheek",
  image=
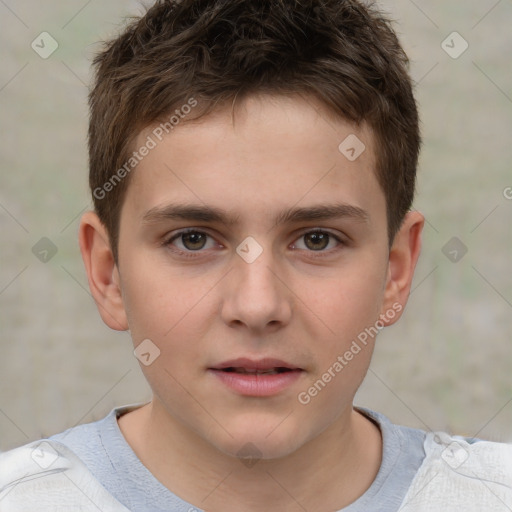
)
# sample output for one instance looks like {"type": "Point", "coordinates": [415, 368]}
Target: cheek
{"type": "Point", "coordinates": [349, 301]}
{"type": "Point", "coordinates": [348, 312]}
{"type": "Point", "coordinates": [157, 298]}
{"type": "Point", "coordinates": [175, 313]}
{"type": "Point", "coordinates": [145, 305]}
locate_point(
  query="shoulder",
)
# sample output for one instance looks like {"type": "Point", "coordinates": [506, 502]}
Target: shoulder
{"type": "Point", "coordinates": [46, 475]}
{"type": "Point", "coordinates": [459, 473]}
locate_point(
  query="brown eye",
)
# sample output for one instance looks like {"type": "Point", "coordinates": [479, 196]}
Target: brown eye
{"type": "Point", "coordinates": [190, 241]}
{"type": "Point", "coordinates": [316, 240]}
{"type": "Point", "coordinates": [194, 240]}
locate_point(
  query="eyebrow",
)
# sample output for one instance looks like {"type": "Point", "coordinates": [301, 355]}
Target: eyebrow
{"type": "Point", "coordinates": [211, 214]}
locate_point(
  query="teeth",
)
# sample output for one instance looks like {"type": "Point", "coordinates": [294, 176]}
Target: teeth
{"type": "Point", "coordinates": [272, 371]}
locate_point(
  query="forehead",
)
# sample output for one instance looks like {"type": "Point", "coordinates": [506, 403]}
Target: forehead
{"type": "Point", "coordinates": [272, 150]}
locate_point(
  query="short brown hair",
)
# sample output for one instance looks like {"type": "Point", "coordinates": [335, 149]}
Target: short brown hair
{"type": "Point", "coordinates": [342, 52]}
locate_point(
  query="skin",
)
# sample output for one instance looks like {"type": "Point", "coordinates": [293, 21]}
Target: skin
{"type": "Point", "coordinates": [293, 302]}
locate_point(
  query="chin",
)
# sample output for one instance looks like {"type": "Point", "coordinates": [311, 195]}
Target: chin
{"type": "Point", "coordinates": [260, 438]}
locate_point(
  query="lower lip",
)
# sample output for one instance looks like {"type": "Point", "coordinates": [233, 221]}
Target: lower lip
{"type": "Point", "coordinates": [257, 384]}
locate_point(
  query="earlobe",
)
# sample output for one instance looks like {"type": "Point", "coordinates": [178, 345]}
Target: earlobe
{"type": "Point", "coordinates": [102, 271]}
{"type": "Point", "coordinates": [403, 257]}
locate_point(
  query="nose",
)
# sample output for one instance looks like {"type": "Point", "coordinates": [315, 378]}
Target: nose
{"type": "Point", "coordinates": [256, 295]}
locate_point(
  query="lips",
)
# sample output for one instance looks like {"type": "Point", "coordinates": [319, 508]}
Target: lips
{"type": "Point", "coordinates": [258, 378]}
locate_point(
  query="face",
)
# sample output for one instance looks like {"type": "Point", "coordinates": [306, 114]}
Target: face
{"type": "Point", "coordinates": [254, 254]}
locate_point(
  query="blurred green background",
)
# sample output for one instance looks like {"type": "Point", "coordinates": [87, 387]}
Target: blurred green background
{"type": "Point", "coordinates": [446, 365]}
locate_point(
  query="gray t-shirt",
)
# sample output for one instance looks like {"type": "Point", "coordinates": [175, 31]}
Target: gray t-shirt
{"type": "Point", "coordinates": [104, 450]}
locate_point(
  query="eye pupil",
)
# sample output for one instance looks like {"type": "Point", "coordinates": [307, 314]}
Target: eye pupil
{"type": "Point", "coordinates": [322, 239]}
{"type": "Point", "coordinates": [194, 240]}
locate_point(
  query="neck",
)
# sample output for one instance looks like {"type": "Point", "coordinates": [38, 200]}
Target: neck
{"type": "Point", "coordinates": [339, 465]}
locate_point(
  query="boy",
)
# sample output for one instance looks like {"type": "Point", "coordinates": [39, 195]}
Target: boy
{"type": "Point", "coordinates": [253, 166]}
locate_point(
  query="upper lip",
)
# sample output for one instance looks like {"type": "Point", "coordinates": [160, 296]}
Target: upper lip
{"type": "Point", "coordinates": [255, 364]}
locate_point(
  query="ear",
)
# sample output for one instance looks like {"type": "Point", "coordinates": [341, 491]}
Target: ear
{"type": "Point", "coordinates": [102, 271]}
{"type": "Point", "coordinates": [403, 257]}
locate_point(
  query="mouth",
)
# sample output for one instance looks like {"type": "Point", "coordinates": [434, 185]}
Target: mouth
{"type": "Point", "coordinates": [263, 377]}
{"type": "Point", "coordinates": [259, 366]}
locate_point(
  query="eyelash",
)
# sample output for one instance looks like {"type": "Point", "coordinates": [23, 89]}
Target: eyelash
{"type": "Point", "coordinates": [194, 254]}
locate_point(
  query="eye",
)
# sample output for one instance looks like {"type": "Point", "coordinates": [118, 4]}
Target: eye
{"type": "Point", "coordinates": [193, 240]}
{"type": "Point", "coordinates": [190, 241]}
{"type": "Point", "coordinates": [318, 241]}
